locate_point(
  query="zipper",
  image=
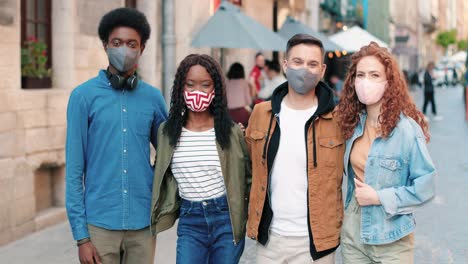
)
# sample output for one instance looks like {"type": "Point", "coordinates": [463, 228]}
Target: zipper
{"type": "Point", "coordinates": [307, 168]}
{"type": "Point", "coordinates": [269, 172]}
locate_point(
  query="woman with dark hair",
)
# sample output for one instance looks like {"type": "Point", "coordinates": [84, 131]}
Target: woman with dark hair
{"type": "Point", "coordinates": [238, 94]}
{"type": "Point", "coordinates": [389, 170]}
{"type": "Point", "coordinates": [202, 168]}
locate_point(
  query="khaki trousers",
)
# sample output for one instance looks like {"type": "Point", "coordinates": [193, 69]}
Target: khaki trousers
{"type": "Point", "coordinates": [355, 252]}
{"type": "Point", "coordinates": [288, 250]}
{"type": "Point", "coordinates": [126, 246]}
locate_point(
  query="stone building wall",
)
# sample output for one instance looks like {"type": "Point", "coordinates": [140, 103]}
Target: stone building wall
{"type": "Point", "coordinates": [32, 136]}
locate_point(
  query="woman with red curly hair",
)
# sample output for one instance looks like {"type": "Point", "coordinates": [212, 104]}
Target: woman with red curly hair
{"type": "Point", "coordinates": [387, 164]}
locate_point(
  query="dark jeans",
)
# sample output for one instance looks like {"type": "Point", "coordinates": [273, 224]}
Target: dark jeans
{"type": "Point", "coordinates": [205, 233]}
{"type": "Point", "coordinates": [429, 98]}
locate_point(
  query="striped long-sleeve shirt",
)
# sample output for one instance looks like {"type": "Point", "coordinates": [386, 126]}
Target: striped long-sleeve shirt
{"type": "Point", "coordinates": [196, 166]}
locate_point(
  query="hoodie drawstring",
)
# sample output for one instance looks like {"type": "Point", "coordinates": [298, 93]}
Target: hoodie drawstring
{"type": "Point", "coordinates": [314, 147]}
{"type": "Point", "coordinates": [267, 137]}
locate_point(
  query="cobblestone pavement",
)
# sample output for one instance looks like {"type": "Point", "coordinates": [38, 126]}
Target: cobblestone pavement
{"type": "Point", "coordinates": [441, 233]}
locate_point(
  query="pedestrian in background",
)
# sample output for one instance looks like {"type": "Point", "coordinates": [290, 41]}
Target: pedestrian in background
{"type": "Point", "coordinates": [414, 81]}
{"type": "Point", "coordinates": [273, 79]}
{"type": "Point", "coordinates": [465, 88]}
{"type": "Point", "coordinates": [203, 168]}
{"type": "Point", "coordinates": [111, 121]}
{"type": "Point", "coordinates": [429, 92]}
{"type": "Point", "coordinates": [256, 76]}
{"type": "Point", "coordinates": [454, 76]}
{"type": "Point", "coordinates": [389, 170]}
{"type": "Point", "coordinates": [337, 86]}
{"type": "Point", "coordinates": [238, 94]}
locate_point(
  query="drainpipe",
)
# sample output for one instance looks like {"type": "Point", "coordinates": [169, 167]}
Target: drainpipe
{"type": "Point", "coordinates": [168, 49]}
{"type": "Point", "coordinates": [275, 26]}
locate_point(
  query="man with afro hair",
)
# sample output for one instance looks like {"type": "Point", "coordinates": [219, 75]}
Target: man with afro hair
{"type": "Point", "coordinates": [111, 121]}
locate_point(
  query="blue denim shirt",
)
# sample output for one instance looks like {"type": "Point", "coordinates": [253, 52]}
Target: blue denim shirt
{"type": "Point", "coordinates": [109, 175]}
{"type": "Point", "coordinates": [400, 169]}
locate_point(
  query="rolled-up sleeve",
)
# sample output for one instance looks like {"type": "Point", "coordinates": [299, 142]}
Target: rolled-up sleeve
{"type": "Point", "coordinates": [420, 187]}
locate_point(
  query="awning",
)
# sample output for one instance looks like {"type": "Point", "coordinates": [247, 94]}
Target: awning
{"type": "Point", "coordinates": [229, 27]}
{"type": "Point", "coordinates": [354, 38]}
{"type": "Point", "coordinates": [292, 27]}
{"type": "Point", "coordinates": [458, 57]}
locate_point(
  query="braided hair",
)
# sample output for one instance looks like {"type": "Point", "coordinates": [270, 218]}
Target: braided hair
{"type": "Point", "coordinates": [218, 108]}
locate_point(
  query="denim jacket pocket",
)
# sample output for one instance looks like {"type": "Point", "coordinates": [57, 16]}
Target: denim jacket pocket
{"type": "Point", "coordinates": [389, 172]}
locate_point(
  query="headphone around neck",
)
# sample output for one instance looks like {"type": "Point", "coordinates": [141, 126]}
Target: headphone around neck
{"type": "Point", "coordinates": [121, 83]}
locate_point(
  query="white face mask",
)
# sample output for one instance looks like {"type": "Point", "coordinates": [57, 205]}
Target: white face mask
{"type": "Point", "coordinates": [369, 92]}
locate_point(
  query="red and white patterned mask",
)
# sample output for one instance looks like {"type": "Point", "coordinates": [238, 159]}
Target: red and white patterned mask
{"type": "Point", "coordinates": [198, 101]}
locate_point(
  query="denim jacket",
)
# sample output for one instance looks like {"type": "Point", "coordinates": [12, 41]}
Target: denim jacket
{"type": "Point", "coordinates": [400, 169]}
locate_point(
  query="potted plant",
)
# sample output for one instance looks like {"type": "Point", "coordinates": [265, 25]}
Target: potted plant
{"type": "Point", "coordinates": [34, 71]}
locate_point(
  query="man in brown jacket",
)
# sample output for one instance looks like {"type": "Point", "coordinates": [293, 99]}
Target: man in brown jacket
{"type": "Point", "coordinates": [296, 207]}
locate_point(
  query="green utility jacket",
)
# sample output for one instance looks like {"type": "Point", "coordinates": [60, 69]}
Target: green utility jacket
{"type": "Point", "coordinates": [236, 168]}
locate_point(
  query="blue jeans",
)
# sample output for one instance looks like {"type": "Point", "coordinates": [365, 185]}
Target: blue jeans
{"type": "Point", "coordinates": [205, 233]}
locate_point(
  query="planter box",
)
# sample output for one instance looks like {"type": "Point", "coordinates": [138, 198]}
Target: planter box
{"type": "Point", "coordinates": [36, 83]}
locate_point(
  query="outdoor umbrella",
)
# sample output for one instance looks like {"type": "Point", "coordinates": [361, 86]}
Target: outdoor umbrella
{"type": "Point", "coordinates": [292, 27]}
{"type": "Point", "coordinates": [354, 38]}
{"type": "Point", "coordinates": [231, 28]}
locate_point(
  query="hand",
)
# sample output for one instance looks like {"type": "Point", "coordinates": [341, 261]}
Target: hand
{"type": "Point", "coordinates": [242, 127]}
{"type": "Point", "coordinates": [88, 254]}
{"type": "Point", "coordinates": [365, 195]}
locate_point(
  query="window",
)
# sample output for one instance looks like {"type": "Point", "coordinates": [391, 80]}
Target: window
{"type": "Point", "coordinates": [37, 59]}
{"type": "Point", "coordinates": [130, 3]}
{"type": "Point", "coordinates": [35, 22]}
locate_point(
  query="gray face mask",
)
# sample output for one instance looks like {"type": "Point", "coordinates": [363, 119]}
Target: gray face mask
{"type": "Point", "coordinates": [122, 58]}
{"type": "Point", "coordinates": [302, 80]}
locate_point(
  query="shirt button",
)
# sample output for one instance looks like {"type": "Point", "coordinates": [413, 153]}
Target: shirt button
{"type": "Point", "coordinates": [125, 171]}
{"type": "Point", "coordinates": [204, 203]}
{"type": "Point", "coordinates": [125, 151]}
{"type": "Point", "coordinates": [125, 191]}
{"type": "Point", "coordinates": [124, 109]}
{"type": "Point", "coordinates": [124, 130]}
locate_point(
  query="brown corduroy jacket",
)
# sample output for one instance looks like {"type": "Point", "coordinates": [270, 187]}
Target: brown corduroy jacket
{"type": "Point", "coordinates": [325, 150]}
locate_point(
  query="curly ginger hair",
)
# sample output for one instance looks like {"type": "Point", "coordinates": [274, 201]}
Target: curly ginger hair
{"type": "Point", "coordinates": [395, 100]}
